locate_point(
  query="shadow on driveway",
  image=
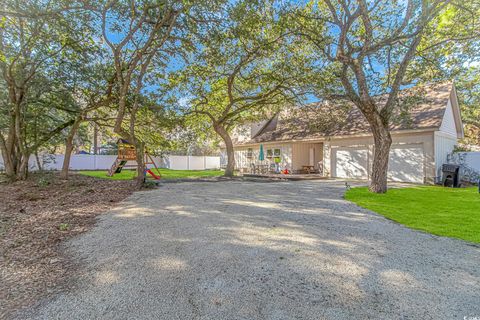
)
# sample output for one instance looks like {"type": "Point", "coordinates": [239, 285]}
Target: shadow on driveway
{"type": "Point", "coordinates": [252, 250]}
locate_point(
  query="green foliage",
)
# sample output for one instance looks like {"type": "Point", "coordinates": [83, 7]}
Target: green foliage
{"type": "Point", "coordinates": [468, 89]}
{"type": "Point", "coordinates": [451, 42]}
{"type": "Point", "coordinates": [44, 50]}
{"type": "Point", "coordinates": [222, 63]}
{"type": "Point", "coordinates": [64, 227]}
{"type": "Point", "coordinates": [450, 50]}
{"type": "Point", "coordinates": [242, 69]}
{"type": "Point", "coordinates": [44, 181]}
{"type": "Point", "coordinates": [438, 210]}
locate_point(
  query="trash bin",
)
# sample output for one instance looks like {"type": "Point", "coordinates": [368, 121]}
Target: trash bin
{"type": "Point", "coordinates": [450, 175]}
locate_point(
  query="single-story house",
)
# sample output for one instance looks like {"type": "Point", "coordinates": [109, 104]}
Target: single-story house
{"type": "Point", "coordinates": [334, 137]}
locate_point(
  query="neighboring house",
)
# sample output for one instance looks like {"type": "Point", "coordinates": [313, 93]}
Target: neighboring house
{"type": "Point", "coordinates": [335, 138]}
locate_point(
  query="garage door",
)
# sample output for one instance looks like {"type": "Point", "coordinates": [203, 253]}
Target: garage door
{"type": "Point", "coordinates": [350, 163]}
{"type": "Point", "coordinates": [406, 163]}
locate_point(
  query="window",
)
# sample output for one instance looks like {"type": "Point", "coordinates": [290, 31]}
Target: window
{"type": "Point", "coordinates": [277, 155]}
{"type": "Point", "coordinates": [249, 153]}
{"type": "Point", "coordinates": [273, 153]}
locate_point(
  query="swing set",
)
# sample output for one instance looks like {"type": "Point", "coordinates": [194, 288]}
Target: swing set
{"type": "Point", "coordinates": [126, 153]}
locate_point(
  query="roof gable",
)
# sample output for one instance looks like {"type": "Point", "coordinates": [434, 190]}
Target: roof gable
{"type": "Point", "coordinates": [448, 122]}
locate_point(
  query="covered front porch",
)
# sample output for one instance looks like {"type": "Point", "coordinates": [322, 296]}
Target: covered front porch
{"type": "Point", "coordinates": [290, 177]}
{"type": "Point", "coordinates": [293, 157]}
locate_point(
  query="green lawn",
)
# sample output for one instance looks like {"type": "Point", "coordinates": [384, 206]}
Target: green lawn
{"type": "Point", "coordinates": [441, 211]}
{"type": "Point", "coordinates": [165, 173]}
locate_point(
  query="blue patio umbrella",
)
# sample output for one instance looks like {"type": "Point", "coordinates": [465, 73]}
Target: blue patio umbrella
{"type": "Point", "coordinates": [261, 155]}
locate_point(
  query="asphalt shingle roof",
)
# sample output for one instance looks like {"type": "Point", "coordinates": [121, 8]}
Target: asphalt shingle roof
{"type": "Point", "coordinates": [420, 107]}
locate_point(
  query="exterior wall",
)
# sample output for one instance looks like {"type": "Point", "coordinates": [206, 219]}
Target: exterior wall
{"type": "Point", "coordinates": [301, 154]}
{"type": "Point", "coordinates": [296, 154]}
{"type": "Point", "coordinates": [421, 138]}
{"type": "Point", "coordinates": [448, 123]}
{"type": "Point", "coordinates": [243, 163]}
{"type": "Point", "coordinates": [444, 145]}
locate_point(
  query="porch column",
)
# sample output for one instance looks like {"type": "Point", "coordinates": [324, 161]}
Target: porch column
{"type": "Point", "coordinates": [326, 158]}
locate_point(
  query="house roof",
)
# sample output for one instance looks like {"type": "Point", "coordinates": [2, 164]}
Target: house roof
{"type": "Point", "coordinates": [420, 107]}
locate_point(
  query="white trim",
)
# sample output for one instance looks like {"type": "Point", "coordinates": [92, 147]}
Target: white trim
{"type": "Point", "coordinates": [445, 134]}
{"type": "Point", "coordinates": [457, 113]}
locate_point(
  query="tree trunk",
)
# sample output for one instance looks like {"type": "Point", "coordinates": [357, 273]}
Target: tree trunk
{"type": "Point", "coordinates": [8, 164]}
{"type": "Point", "coordinates": [383, 141]}
{"type": "Point", "coordinates": [140, 150]}
{"type": "Point", "coordinates": [223, 133]}
{"type": "Point", "coordinates": [39, 163]}
{"type": "Point", "coordinates": [69, 148]}
{"type": "Point", "coordinates": [22, 171]}
{"type": "Point", "coordinates": [95, 138]}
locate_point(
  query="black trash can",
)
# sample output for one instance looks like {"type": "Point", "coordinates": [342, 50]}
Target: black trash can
{"type": "Point", "coordinates": [450, 175]}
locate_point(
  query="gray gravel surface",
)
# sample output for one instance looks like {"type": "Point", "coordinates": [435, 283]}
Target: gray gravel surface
{"type": "Point", "coordinates": [252, 250]}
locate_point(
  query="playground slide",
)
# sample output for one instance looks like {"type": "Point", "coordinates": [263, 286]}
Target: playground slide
{"type": "Point", "coordinates": [153, 175]}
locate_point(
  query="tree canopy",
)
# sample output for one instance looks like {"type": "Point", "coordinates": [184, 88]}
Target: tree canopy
{"type": "Point", "coordinates": [151, 71]}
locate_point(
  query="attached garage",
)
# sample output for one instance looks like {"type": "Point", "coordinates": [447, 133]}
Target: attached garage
{"type": "Point", "coordinates": [406, 163]}
{"type": "Point", "coordinates": [349, 162]}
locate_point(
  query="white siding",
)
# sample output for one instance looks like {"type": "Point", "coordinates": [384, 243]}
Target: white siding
{"type": "Point", "coordinates": [301, 155]}
{"type": "Point", "coordinates": [406, 163]}
{"type": "Point", "coordinates": [243, 163]}
{"type": "Point", "coordinates": [448, 123]}
{"type": "Point", "coordinates": [443, 144]}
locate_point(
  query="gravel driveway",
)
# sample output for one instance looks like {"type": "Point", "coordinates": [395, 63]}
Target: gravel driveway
{"type": "Point", "coordinates": [258, 250]}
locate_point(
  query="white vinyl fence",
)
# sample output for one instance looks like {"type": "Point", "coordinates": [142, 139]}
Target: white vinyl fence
{"type": "Point", "coordinates": [103, 162]}
{"type": "Point", "coordinates": [469, 165]}
{"type": "Point", "coordinates": [472, 159]}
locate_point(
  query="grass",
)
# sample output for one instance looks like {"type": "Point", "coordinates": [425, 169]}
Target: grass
{"type": "Point", "coordinates": [441, 211]}
{"type": "Point", "coordinates": [165, 173]}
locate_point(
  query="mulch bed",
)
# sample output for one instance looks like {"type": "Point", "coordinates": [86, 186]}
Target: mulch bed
{"type": "Point", "coordinates": [35, 217]}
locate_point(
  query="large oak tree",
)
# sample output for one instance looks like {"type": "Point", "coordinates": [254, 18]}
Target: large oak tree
{"type": "Point", "coordinates": [369, 47]}
{"type": "Point", "coordinates": [39, 46]}
{"type": "Point", "coordinates": [242, 71]}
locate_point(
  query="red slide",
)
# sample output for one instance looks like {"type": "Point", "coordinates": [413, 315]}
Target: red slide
{"type": "Point", "coordinates": [153, 175]}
